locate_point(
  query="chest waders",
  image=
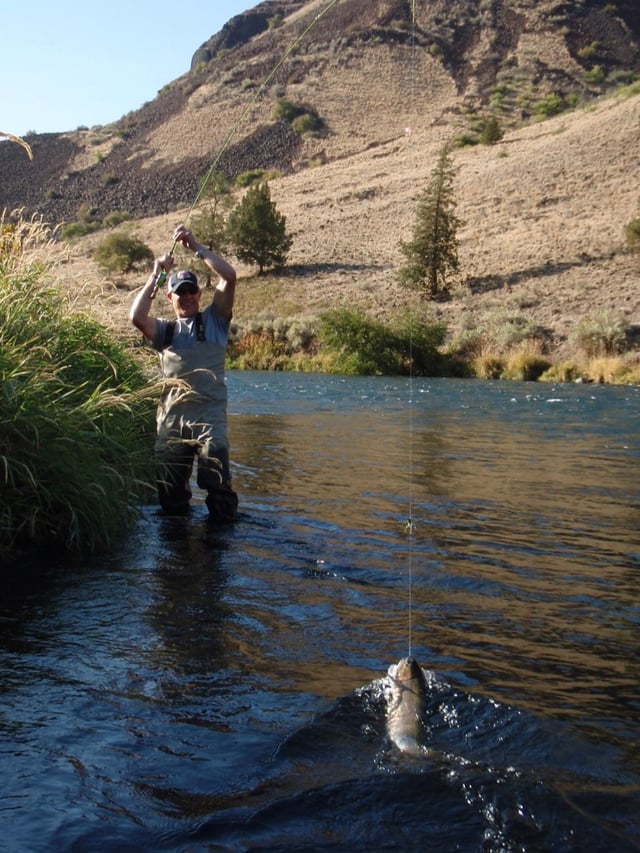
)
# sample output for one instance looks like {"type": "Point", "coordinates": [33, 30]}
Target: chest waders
{"type": "Point", "coordinates": [192, 424]}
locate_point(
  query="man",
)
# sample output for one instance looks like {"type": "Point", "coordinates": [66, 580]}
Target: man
{"type": "Point", "coordinates": [192, 414]}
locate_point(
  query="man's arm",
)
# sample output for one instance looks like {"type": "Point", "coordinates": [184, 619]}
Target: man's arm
{"type": "Point", "coordinates": [224, 294]}
{"type": "Point", "coordinates": [141, 305]}
{"type": "Point", "coordinates": [225, 291]}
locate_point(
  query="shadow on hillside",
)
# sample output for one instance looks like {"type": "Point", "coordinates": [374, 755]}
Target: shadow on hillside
{"type": "Point", "coordinates": [487, 283]}
{"type": "Point", "coordinates": [306, 270]}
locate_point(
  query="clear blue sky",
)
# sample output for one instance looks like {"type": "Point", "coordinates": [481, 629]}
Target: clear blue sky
{"type": "Point", "coordinates": [67, 63]}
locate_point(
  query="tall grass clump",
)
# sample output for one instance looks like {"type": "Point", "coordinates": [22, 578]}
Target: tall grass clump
{"type": "Point", "coordinates": [74, 410]}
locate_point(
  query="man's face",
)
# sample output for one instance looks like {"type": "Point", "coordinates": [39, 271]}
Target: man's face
{"type": "Point", "coordinates": [186, 300]}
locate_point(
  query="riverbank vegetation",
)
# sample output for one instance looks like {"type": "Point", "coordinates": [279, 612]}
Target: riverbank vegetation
{"type": "Point", "coordinates": [75, 416]}
{"type": "Point", "coordinates": [496, 346]}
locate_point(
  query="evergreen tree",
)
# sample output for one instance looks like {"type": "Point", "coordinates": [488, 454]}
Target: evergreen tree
{"type": "Point", "coordinates": [258, 231]}
{"type": "Point", "coordinates": [432, 255]}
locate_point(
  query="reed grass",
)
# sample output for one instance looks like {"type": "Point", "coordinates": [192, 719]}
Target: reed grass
{"type": "Point", "coordinates": [76, 411]}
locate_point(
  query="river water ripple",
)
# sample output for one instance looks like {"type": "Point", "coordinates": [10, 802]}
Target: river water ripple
{"type": "Point", "coordinates": [222, 689]}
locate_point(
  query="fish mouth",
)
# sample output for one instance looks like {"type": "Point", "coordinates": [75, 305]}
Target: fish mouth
{"type": "Point", "coordinates": [407, 669]}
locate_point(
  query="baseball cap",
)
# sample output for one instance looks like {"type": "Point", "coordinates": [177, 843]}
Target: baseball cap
{"type": "Point", "coordinates": [177, 279]}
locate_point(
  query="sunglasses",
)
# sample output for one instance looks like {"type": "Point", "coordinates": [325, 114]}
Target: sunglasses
{"type": "Point", "coordinates": [186, 290]}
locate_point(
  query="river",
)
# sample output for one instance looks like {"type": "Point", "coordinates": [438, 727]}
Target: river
{"type": "Point", "coordinates": [222, 689]}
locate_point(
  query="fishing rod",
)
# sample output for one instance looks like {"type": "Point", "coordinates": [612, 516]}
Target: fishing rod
{"type": "Point", "coordinates": [227, 140]}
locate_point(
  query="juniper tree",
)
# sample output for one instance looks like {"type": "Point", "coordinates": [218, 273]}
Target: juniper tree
{"type": "Point", "coordinates": [432, 254]}
{"type": "Point", "coordinates": [258, 231]}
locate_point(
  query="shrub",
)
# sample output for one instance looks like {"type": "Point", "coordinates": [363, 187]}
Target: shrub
{"type": "Point", "coordinates": [632, 233]}
{"type": "Point", "coordinates": [302, 118]}
{"type": "Point", "coordinates": [466, 140]}
{"type": "Point", "coordinates": [258, 350]}
{"type": "Point", "coordinates": [595, 75]}
{"type": "Point", "coordinates": [120, 252]}
{"type": "Point", "coordinates": [468, 344]}
{"type": "Point", "coordinates": [601, 336]}
{"type": "Point", "coordinates": [548, 106]}
{"type": "Point", "coordinates": [266, 343]}
{"type": "Point", "coordinates": [87, 212]}
{"type": "Point", "coordinates": [287, 110]}
{"type": "Point", "coordinates": [112, 220]}
{"type": "Point", "coordinates": [418, 343]}
{"type": "Point", "coordinates": [78, 229]}
{"type": "Point", "coordinates": [589, 51]}
{"type": "Point", "coordinates": [307, 123]}
{"type": "Point", "coordinates": [251, 176]}
{"type": "Point", "coordinates": [512, 328]}
{"type": "Point", "coordinates": [360, 345]}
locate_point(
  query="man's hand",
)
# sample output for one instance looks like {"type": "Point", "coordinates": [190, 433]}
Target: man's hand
{"type": "Point", "coordinates": [184, 236]}
{"type": "Point", "coordinates": [165, 262]}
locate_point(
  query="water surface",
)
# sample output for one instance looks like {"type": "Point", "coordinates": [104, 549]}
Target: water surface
{"type": "Point", "coordinates": [222, 688]}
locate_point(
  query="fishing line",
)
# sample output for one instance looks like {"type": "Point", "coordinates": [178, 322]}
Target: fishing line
{"type": "Point", "coordinates": [410, 527]}
{"type": "Point", "coordinates": [227, 140]}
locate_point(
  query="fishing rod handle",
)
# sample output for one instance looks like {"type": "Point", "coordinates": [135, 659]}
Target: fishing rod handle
{"type": "Point", "coordinates": [160, 280]}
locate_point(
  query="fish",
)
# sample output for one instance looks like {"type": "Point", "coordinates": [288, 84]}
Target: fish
{"type": "Point", "coordinates": [407, 707]}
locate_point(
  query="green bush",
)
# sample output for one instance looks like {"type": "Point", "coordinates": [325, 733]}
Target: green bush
{"type": "Point", "coordinates": [548, 106]}
{"type": "Point", "coordinates": [112, 220]}
{"type": "Point", "coordinates": [287, 110]}
{"type": "Point", "coordinates": [595, 75]}
{"type": "Point", "coordinates": [307, 123]}
{"type": "Point", "coordinates": [120, 252]}
{"type": "Point", "coordinates": [361, 345]}
{"type": "Point", "coordinates": [251, 176]}
{"type": "Point", "coordinates": [302, 118]}
{"type": "Point", "coordinates": [78, 229]}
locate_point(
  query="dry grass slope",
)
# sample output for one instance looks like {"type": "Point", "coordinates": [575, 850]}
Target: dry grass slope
{"type": "Point", "coordinates": [544, 209]}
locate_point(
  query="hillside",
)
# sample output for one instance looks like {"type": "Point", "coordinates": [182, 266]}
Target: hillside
{"type": "Point", "coordinates": [544, 209]}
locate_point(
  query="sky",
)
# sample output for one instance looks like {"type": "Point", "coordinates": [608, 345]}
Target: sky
{"type": "Point", "coordinates": [68, 63]}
